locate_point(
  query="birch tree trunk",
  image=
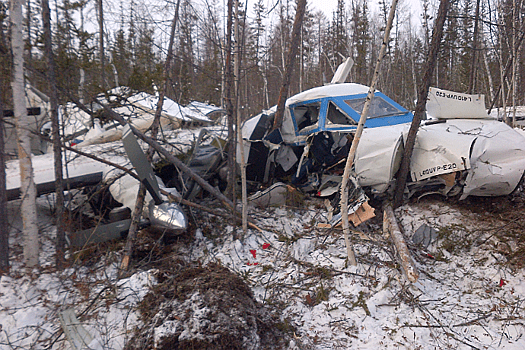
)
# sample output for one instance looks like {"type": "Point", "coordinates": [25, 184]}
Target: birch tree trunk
{"type": "Point", "coordinates": [437, 34]}
{"type": "Point", "coordinates": [4, 228]}
{"type": "Point", "coordinates": [473, 67]}
{"type": "Point", "coordinates": [55, 128]}
{"type": "Point", "coordinates": [28, 188]}
{"type": "Point", "coordinates": [237, 69]}
{"type": "Point", "coordinates": [357, 137]}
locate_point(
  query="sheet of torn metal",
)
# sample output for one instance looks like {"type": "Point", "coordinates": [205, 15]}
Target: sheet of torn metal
{"type": "Point", "coordinates": [357, 204]}
{"type": "Point", "coordinates": [440, 149]}
{"type": "Point", "coordinates": [444, 104]}
{"type": "Point", "coordinates": [78, 170]}
{"type": "Point", "coordinates": [498, 161]}
{"type": "Point", "coordinates": [378, 156]}
{"type": "Point", "coordinates": [99, 233]}
{"type": "Point", "coordinates": [275, 195]}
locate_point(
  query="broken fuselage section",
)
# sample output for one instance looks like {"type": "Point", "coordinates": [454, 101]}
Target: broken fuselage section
{"type": "Point", "coordinates": [460, 152]}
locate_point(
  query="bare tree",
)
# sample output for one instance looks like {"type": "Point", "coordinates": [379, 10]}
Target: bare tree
{"type": "Point", "coordinates": [57, 146]}
{"type": "Point", "coordinates": [437, 34]}
{"type": "Point", "coordinates": [28, 188]}
{"type": "Point", "coordinates": [4, 228]}
{"type": "Point", "coordinates": [100, 10]}
{"type": "Point", "coordinates": [139, 203]}
{"type": "Point", "coordinates": [359, 132]}
{"type": "Point", "coordinates": [228, 82]}
{"type": "Point", "coordinates": [237, 72]}
{"type": "Point", "coordinates": [290, 61]}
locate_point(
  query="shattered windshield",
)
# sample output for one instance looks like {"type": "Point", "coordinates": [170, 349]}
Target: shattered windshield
{"type": "Point", "coordinates": [306, 115]}
{"type": "Point", "coordinates": [336, 116]}
{"type": "Point", "coordinates": [378, 108]}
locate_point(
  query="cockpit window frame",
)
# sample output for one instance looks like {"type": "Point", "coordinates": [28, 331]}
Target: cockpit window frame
{"type": "Point", "coordinates": [404, 116]}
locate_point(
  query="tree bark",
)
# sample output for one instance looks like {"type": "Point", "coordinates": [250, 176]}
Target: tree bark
{"type": "Point", "coordinates": [60, 243]}
{"type": "Point", "coordinates": [505, 71]}
{"type": "Point", "coordinates": [290, 61]}
{"type": "Point", "coordinates": [437, 34]}
{"type": "Point", "coordinates": [244, 191]}
{"type": "Point", "coordinates": [28, 188]}
{"type": "Point", "coordinates": [473, 67]}
{"type": "Point", "coordinates": [139, 204]}
{"type": "Point", "coordinates": [101, 44]}
{"type": "Point", "coordinates": [357, 137]}
{"type": "Point", "coordinates": [228, 80]}
{"type": "Point", "coordinates": [4, 227]}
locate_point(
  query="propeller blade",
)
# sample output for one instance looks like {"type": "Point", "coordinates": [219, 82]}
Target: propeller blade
{"type": "Point", "coordinates": [141, 164]}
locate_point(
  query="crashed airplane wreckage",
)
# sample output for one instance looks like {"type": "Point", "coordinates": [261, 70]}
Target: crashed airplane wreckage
{"type": "Point", "coordinates": [95, 167]}
{"type": "Point", "coordinates": [460, 151]}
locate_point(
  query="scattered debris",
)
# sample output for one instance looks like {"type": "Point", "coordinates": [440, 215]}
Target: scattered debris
{"type": "Point", "coordinates": [424, 235]}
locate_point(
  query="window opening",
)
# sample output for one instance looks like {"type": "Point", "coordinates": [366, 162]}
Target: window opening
{"type": "Point", "coordinates": [306, 115]}
{"type": "Point", "coordinates": [336, 116]}
{"type": "Point", "coordinates": [378, 108]}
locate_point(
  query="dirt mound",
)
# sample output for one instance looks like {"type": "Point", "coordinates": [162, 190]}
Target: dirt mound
{"type": "Point", "coordinates": [205, 308]}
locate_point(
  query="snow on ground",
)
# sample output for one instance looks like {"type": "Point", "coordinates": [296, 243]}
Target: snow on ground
{"type": "Point", "coordinates": [466, 296]}
{"type": "Point", "coordinates": [30, 303]}
{"type": "Point", "coordinates": [457, 302]}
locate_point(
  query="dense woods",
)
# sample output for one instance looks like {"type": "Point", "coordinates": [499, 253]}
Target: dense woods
{"type": "Point", "coordinates": [480, 40]}
{"type": "Point", "coordinates": [241, 56]}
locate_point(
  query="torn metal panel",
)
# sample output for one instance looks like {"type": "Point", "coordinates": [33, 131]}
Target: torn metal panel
{"type": "Point", "coordinates": [286, 157]}
{"type": "Point", "coordinates": [378, 156]}
{"type": "Point", "coordinates": [99, 233]}
{"type": "Point", "coordinates": [273, 195]}
{"type": "Point", "coordinates": [444, 104]}
{"type": "Point", "coordinates": [498, 161]}
{"type": "Point", "coordinates": [440, 149]}
{"type": "Point", "coordinates": [342, 71]}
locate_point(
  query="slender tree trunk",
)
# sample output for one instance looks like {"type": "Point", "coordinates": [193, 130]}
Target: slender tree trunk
{"type": "Point", "coordinates": [294, 47]}
{"type": "Point", "coordinates": [230, 191]}
{"type": "Point", "coordinates": [503, 75]}
{"type": "Point", "coordinates": [357, 137]}
{"type": "Point", "coordinates": [473, 67]}
{"type": "Point", "coordinates": [244, 191]}
{"type": "Point", "coordinates": [515, 18]}
{"type": "Point", "coordinates": [489, 74]}
{"type": "Point", "coordinates": [101, 44]}
{"type": "Point", "coordinates": [139, 203]}
{"type": "Point", "coordinates": [437, 34]}
{"type": "Point", "coordinates": [4, 227]}
{"type": "Point", "coordinates": [57, 146]}
{"type": "Point", "coordinates": [28, 188]}
{"type": "Point", "coordinates": [28, 23]}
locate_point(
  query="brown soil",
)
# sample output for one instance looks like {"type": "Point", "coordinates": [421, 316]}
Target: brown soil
{"type": "Point", "coordinates": [205, 307]}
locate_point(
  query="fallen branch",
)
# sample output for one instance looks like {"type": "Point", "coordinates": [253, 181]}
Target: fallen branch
{"type": "Point", "coordinates": [390, 225]}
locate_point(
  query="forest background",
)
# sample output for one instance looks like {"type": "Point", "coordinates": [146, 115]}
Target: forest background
{"type": "Point", "coordinates": [480, 39]}
{"type": "Point", "coordinates": [72, 51]}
